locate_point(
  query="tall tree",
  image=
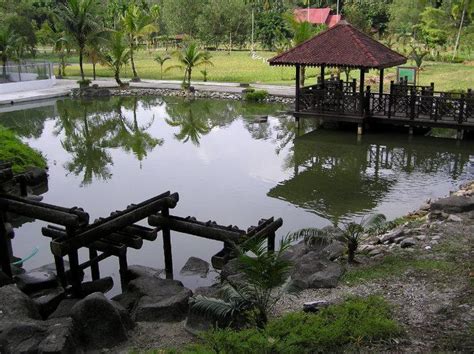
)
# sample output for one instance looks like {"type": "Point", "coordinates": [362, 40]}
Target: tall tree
{"type": "Point", "coordinates": [80, 22]}
{"type": "Point", "coordinates": [136, 24]}
{"type": "Point", "coordinates": [189, 58]}
{"type": "Point", "coordinates": [466, 8]}
{"type": "Point", "coordinates": [8, 42]}
{"type": "Point", "coordinates": [117, 54]}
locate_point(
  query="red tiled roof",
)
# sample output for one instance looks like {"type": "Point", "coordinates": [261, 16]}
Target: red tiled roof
{"type": "Point", "coordinates": [316, 16]}
{"type": "Point", "coordinates": [333, 20]}
{"type": "Point", "coordinates": [341, 46]}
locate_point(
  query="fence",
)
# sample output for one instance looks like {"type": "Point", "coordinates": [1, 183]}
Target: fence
{"type": "Point", "coordinates": [26, 72]}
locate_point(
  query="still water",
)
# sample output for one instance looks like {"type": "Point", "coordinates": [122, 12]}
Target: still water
{"type": "Point", "coordinates": [106, 154]}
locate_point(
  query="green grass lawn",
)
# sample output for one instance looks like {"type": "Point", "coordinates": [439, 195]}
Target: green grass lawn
{"type": "Point", "coordinates": [239, 66]}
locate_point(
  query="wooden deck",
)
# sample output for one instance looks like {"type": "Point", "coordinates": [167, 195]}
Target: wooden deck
{"type": "Point", "coordinates": [414, 106]}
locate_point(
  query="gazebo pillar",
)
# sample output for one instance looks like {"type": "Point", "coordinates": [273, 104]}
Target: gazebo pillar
{"type": "Point", "coordinates": [381, 81]}
{"type": "Point", "coordinates": [361, 90]}
{"type": "Point", "coordinates": [297, 89]}
{"type": "Point", "coordinates": [322, 76]}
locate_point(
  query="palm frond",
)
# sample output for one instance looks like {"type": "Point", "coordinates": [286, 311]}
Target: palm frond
{"type": "Point", "coordinates": [211, 307]}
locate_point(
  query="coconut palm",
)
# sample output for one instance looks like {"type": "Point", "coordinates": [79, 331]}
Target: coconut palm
{"type": "Point", "coordinates": [117, 54]}
{"type": "Point", "coordinates": [188, 58]}
{"type": "Point", "coordinates": [8, 45]}
{"type": "Point", "coordinates": [351, 232]}
{"type": "Point", "coordinates": [136, 24]}
{"type": "Point", "coordinates": [266, 277]}
{"type": "Point", "coordinates": [78, 18]}
{"type": "Point", "coordinates": [161, 59]}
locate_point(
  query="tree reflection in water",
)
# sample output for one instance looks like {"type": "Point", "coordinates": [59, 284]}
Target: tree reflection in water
{"type": "Point", "coordinates": [92, 127]}
{"type": "Point", "coordinates": [337, 177]}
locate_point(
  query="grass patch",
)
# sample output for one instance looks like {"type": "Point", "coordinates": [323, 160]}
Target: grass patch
{"type": "Point", "coordinates": [12, 149]}
{"type": "Point", "coordinates": [239, 66]}
{"type": "Point", "coordinates": [395, 265]}
{"type": "Point", "coordinates": [356, 322]}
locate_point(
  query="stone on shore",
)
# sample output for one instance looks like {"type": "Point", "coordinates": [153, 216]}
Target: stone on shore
{"type": "Point", "coordinates": [35, 281]}
{"type": "Point", "coordinates": [16, 305]}
{"type": "Point", "coordinates": [102, 323]}
{"type": "Point", "coordinates": [453, 204]}
{"type": "Point", "coordinates": [312, 271]}
{"type": "Point", "coordinates": [195, 266]}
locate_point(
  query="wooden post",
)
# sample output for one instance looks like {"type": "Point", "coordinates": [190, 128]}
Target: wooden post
{"type": "Point", "coordinates": [461, 109]}
{"type": "Point", "coordinates": [95, 272]}
{"type": "Point", "coordinates": [381, 82]}
{"type": "Point", "coordinates": [4, 252]}
{"type": "Point", "coordinates": [367, 101]}
{"type": "Point", "coordinates": [271, 242]}
{"type": "Point", "coordinates": [361, 90]}
{"type": "Point", "coordinates": [360, 130]}
{"type": "Point", "coordinates": [354, 85]}
{"type": "Point", "coordinates": [412, 103]}
{"type": "Point", "coordinates": [297, 89]}
{"type": "Point", "coordinates": [74, 267]}
{"type": "Point", "coordinates": [167, 247]}
{"type": "Point", "coordinates": [59, 261]}
{"type": "Point", "coordinates": [123, 269]}
{"type": "Point", "coordinates": [322, 76]}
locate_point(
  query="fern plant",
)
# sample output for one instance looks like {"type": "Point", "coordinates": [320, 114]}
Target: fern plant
{"type": "Point", "coordinates": [247, 302]}
{"type": "Point", "coordinates": [351, 232]}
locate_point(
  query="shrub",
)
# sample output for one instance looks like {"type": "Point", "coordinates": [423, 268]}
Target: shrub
{"type": "Point", "coordinates": [21, 155]}
{"type": "Point", "coordinates": [356, 321]}
{"type": "Point", "coordinates": [256, 95]}
{"type": "Point", "coordinates": [84, 83]}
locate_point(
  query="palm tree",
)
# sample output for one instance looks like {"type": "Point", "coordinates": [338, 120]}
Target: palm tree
{"type": "Point", "coordinates": [136, 23]}
{"type": "Point", "coordinates": [161, 60]}
{"type": "Point", "coordinates": [117, 54]}
{"type": "Point", "coordinates": [467, 6]}
{"type": "Point", "coordinates": [351, 232]}
{"type": "Point", "coordinates": [8, 44]}
{"type": "Point", "coordinates": [192, 126]}
{"type": "Point", "coordinates": [80, 22]}
{"type": "Point", "coordinates": [266, 277]}
{"type": "Point", "coordinates": [188, 58]}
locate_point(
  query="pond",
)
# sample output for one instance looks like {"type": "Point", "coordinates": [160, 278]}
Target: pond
{"type": "Point", "coordinates": [106, 154]}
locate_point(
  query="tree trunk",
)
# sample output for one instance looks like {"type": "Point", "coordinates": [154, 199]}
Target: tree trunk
{"type": "Point", "coordinates": [117, 77]}
{"type": "Point", "coordinates": [4, 68]}
{"type": "Point", "coordinates": [81, 54]}
{"type": "Point", "coordinates": [135, 75]}
{"type": "Point", "coordinates": [351, 250]}
{"type": "Point", "coordinates": [93, 69]}
{"type": "Point", "coordinates": [458, 37]}
{"type": "Point", "coordinates": [189, 76]}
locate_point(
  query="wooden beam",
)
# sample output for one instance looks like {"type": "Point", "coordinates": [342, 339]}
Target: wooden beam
{"type": "Point", "coordinates": [361, 90]}
{"type": "Point", "coordinates": [381, 76]}
{"type": "Point", "coordinates": [297, 88]}
{"type": "Point", "coordinates": [322, 76]}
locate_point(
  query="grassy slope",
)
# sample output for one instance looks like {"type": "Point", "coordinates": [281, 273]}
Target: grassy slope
{"type": "Point", "coordinates": [240, 67]}
{"type": "Point", "coordinates": [14, 150]}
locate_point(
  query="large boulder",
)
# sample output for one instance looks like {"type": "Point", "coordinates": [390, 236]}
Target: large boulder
{"type": "Point", "coordinates": [312, 271]}
{"type": "Point", "coordinates": [197, 323]}
{"type": "Point", "coordinates": [151, 298]}
{"type": "Point", "coordinates": [101, 323]}
{"type": "Point", "coordinates": [453, 204]}
{"type": "Point", "coordinates": [36, 281]}
{"type": "Point", "coordinates": [30, 336]}
{"type": "Point", "coordinates": [48, 300]}
{"type": "Point", "coordinates": [16, 305]}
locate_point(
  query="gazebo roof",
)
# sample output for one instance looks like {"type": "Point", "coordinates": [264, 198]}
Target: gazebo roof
{"type": "Point", "coordinates": [341, 46]}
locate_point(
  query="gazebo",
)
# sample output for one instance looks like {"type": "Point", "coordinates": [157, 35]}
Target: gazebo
{"type": "Point", "coordinates": [342, 46]}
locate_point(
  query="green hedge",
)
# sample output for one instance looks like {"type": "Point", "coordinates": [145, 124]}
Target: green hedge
{"type": "Point", "coordinates": [253, 95]}
{"type": "Point", "coordinates": [357, 321]}
{"type": "Point", "coordinates": [12, 149]}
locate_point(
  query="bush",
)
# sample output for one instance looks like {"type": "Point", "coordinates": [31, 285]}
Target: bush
{"type": "Point", "coordinates": [255, 95]}
{"type": "Point", "coordinates": [84, 83]}
{"type": "Point", "coordinates": [356, 321]}
{"type": "Point", "coordinates": [21, 155]}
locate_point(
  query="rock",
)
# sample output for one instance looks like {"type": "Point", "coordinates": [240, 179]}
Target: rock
{"type": "Point", "coordinates": [376, 252]}
{"type": "Point", "coordinates": [408, 242]}
{"type": "Point", "coordinates": [38, 337]}
{"type": "Point", "coordinates": [421, 237]}
{"type": "Point", "coordinates": [136, 271]}
{"type": "Point", "coordinates": [392, 235]}
{"type": "Point", "coordinates": [100, 321]}
{"type": "Point", "coordinates": [313, 272]}
{"type": "Point", "coordinates": [295, 252]}
{"type": "Point", "coordinates": [150, 298]}
{"type": "Point", "coordinates": [453, 204]}
{"type": "Point", "coordinates": [437, 237]}
{"type": "Point", "coordinates": [5, 279]}
{"type": "Point", "coordinates": [315, 306]}
{"type": "Point", "coordinates": [48, 300]}
{"type": "Point", "coordinates": [36, 281]}
{"type": "Point", "coordinates": [15, 305]}
{"type": "Point", "coordinates": [64, 308]}
{"type": "Point", "coordinates": [334, 250]}
{"type": "Point", "coordinates": [195, 266]}
{"type": "Point", "coordinates": [101, 285]}
{"type": "Point", "coordinates": [454, 218]}
{"type": "Point", "coordinates": [366, 248]}
{"type": "Point", "coordinates": [230, 268]}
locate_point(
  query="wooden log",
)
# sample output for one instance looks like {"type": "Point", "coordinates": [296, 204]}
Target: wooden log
{"type": "Point", "coordinates": [95, 260]}
{"type": "Point", "coordinates": [123, 269]}
{"type": "Point", "coordinates": [42, 212]}
{"type": "Point", "coordinates": [268, 229]}
{"type": "Point", "coordinates": [113, 224]}
{"type": "Point", "coordinates": [189, 227]}
{"type": "Point", "coordinates": [131, 241]}
{"type": "Point", "coordinates": [95, 271]}
{"type": "Point", "coordinates": [83, 216]}
{"type": "Point", "coordinates": [167, 247]}
{"type": "Point", "coordinates": [4, 253]}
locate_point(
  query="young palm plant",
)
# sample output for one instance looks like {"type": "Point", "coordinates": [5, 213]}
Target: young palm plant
{"type": "Point", "coordinates": [117, 54]}
{"type": "Point", "coordinates": [161, 59]}
{"type": "Point", "coordinates": [188, 58]}
{"type": "Point", "coordinates": [266, 279]}
{"type": "Point", "coordinates": [351, 232]}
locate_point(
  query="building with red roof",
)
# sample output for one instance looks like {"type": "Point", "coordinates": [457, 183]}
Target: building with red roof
{"type": "Point", "coordinates": [321, 16]}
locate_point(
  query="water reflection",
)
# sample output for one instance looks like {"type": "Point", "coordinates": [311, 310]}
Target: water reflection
{"type": "Point", "coordinates": [336, 176]}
